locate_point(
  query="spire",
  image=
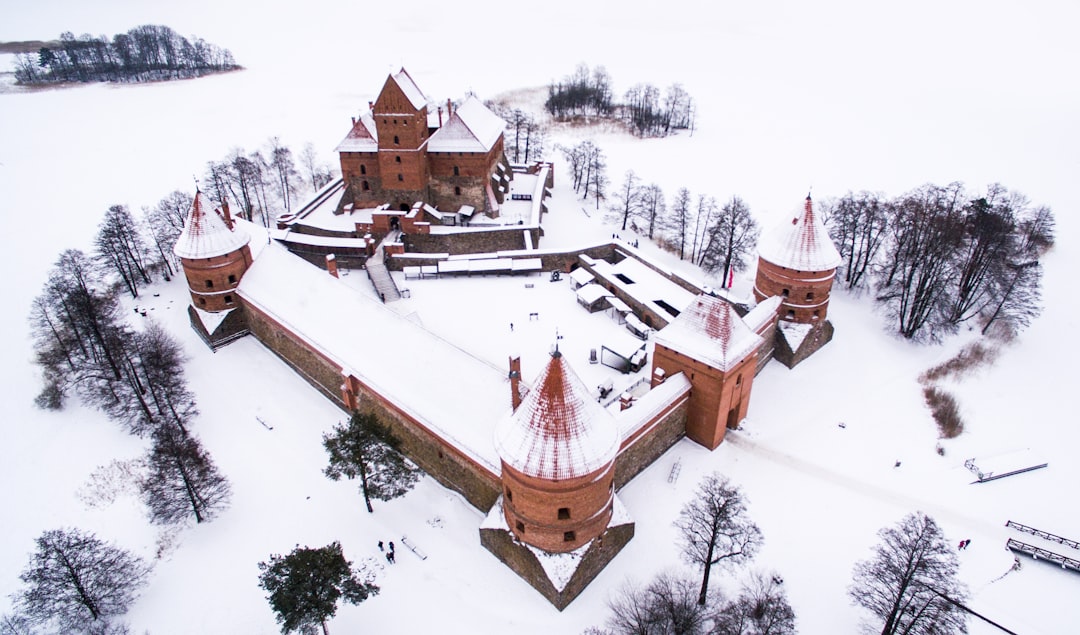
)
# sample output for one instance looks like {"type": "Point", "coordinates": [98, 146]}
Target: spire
{"type": "Point", "coordinates": [559, 432]}
{"type": "Point", "coordinates": [206, 235]}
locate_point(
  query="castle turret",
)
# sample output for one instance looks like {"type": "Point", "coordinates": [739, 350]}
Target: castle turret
{"type": "Point", "coordinates": [558, 451]}
{"type": "Point", "coordinates": [798, 262]}
{"type": "Point", "coordinates": [711, 345]}
{"type": "Point", "coordinates": [214, 257]}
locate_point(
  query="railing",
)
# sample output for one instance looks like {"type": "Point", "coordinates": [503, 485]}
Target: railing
{"type": "Point", "coordinates": [1042, 534]}
{"type": "Point", "coordinates": [1040, 553]}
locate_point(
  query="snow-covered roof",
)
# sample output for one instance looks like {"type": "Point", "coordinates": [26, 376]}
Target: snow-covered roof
{"type": "Point", "coordinates": [763, 313]}
{"type": "Point", "coordinates": [801, 243]}
{"type": "Point", "coordinates": [362, 138]}
{"type": "Point", "coordinates": [412, 91]}
{"type": "Point", "coordinates": [472, 128]}
{"type": "Point", "coordinates": [591, 293]}
{"type": "Point", "coordinates": [205, 234]}
{"type": "Point", "coordinates": [710, 331]}
{"type": "Point", "coordinates": [406, 364]}
{"type": "Point", "coordinates": [559, 432]}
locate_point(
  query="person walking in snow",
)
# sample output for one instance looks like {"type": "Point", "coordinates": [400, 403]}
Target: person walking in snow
{"type": "Point", "coordinates": [380, 546]}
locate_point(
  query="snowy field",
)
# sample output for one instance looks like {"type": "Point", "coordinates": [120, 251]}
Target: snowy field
{"type": "Point", "coordinates": [834, 96]}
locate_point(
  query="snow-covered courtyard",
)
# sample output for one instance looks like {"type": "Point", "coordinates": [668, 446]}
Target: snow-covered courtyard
{"type": "Point", "coordinates": [837, 96]}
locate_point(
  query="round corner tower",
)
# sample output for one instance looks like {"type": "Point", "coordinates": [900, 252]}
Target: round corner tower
{"type": "Point", "coordinates": [558, 452]}
{"type": "Point", "coordinates": [214, 257]}
{"type": "Point", "coordinates": [798, 263]}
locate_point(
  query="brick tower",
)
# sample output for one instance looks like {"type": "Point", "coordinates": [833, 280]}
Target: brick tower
{"type": "Point", "coordinates": [718, 352]}
{"type": "Point", "coordinates": [798, 263]}
{"type": "Point", "coordinates": [214, 256]}
{"type": "Point", "coordinates": [558, 451]}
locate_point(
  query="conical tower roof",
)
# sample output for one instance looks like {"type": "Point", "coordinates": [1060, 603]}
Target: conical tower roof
{"type": "Point", "coordinates": [801, 243]}
{"type": "Point", "coordinates": [559, 432]}
{"type": "Point", "coordinates": [710, 331]}
{"type": "Point", "coordinates": [206, 235]}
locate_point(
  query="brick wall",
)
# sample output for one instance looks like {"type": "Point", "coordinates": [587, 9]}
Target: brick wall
{"type": "Point", "coordinates": [474, 242]}
{"type": "Point", "coordinates": [657, 439]}
{"type": "Point", "coordinates": [532, 508]}
{"type": "Point", "coordinates": [805, 293]}
{"type": "Point", "coordinates": [212, 282]}
{"type": "Point", "coordinates": [522, 561]}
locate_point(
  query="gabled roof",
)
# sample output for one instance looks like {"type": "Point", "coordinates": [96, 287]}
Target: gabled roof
{"type": "Point", "coordinates": [710, 331]}
{"type": "Point", "coordinates": [801, 243]}
{"type": "Point", "coordinates": [559, 432]}
{"type": "Point", "coordinates": [205, 234]}
{"type": "Point", "coordinates": [362, 138]}
{"type": "Point", "coordinates": [405, 84]}
{"type": "Point", "coordinates": [472, 128]}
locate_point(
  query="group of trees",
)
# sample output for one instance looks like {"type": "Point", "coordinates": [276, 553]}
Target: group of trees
{"type": "Point", "coordinates": [265, 180]}
{"type": "Point", "coordinates": [588, 167]}
{"type": "Point", "coordinates": [939, 257]}
{"type": "Point", "coordinates": [645, 109]}
{"type": "Point", "coordinates": [525, 138]}
{"type": "Point", "coordinates": [714, 529]}
{"type": "Point", "coordinates": [145, 53]}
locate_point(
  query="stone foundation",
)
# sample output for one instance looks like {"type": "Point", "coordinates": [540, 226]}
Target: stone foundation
{"type": "Point", "coordinates": [820, 335]}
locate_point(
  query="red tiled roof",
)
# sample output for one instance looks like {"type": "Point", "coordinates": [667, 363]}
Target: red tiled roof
{"type": "Point", "coordinates": [205, 234]}
{"type": "Point", "coordinates": [801, 243]}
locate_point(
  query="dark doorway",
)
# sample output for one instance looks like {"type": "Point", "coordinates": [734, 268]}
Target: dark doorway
{"type": "Point", "coordinates": [395, 223]}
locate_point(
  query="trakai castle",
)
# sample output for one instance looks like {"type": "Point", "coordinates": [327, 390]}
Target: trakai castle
{"type": "Point", "coordinates": [427, 192]}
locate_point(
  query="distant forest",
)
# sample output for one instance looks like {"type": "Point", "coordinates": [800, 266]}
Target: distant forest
{"type": "Point", "coordinates": [145, 53]}
{"type": "Point", "coordinates": [645, 110]}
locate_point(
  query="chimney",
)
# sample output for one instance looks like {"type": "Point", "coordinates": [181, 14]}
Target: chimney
{"type": "Point", "coordinates": [449, 107]}
{"type": "Point", "coordinates": [625, 401]}
{"type": "Point", "coordinates": [440, 116]}
{"type": "Point", "coordinates": [353, 121]}
{"type": "Point", "coordinates": [371, 105]}
{"type": "Point", "coordinates": [225, 213]}
{"type": "Point", "coordinates": [658, 377]}
{"type": "Point", "coordinates": [515, 382]}
{"type": "Point", "coordinates": [331, 264]}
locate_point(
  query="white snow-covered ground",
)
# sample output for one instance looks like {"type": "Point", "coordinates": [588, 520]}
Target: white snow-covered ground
{"type": "Point", "coordinates": [836, 95]}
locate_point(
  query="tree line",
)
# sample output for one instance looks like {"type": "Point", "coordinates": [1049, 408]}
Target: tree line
{"type": "Point", "coordinates": [266, 179]}
{"type": "Point", "coordinates": [940, 257]}
{"type": "Point", "coordinates": [145, 53]}
{"type": "Point", "coordinates": [525, 137]}
{"type": "Point", "coordinates": [646, 110]}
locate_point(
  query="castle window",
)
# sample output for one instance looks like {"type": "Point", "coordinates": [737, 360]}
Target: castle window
{"type": "Point", "coordinates": [363, 169]}
{"type": "Point", "coordinates": [228, 299]}
{"type": "Point", "coordinates": [457, 190]}
{"type": "Point", "coordinates": [509, 495]}
{"type": "Point", "coordinates": [202, 301]}
{"type": "Point", "coordinates": [785, 293]}
{"type": "Point", "coordinates": [396, 141]}
{"type": "Point", "coordinates": [395, 122]}
{"type": "Point", "coordinates": [400, 177]}
{"type": "Point", "coordinates": [457, 172]}
{"type": "Point", "coordinates": [738, 380]}
{"type": "Point", "coordinates": [791, 315]}
{"type": "Point", "coordinates": [232, 279]}
{"type": "Point", "coordinates": [568, 536]}
{"type": "Point", "coordinates": [564, 513]}
{"type": "Point", "coordinates": [817, 314]}
{"type": "Point", "coordinates": [520, 527]}
{"type": "Point", "coordinates": [397, 159]}
{"type": "Point", "coordinates": [366, 186]}
{"type": "Point", "coordinates": [809, 297]}
{"type": "Point", "coordinates": [209, 284]}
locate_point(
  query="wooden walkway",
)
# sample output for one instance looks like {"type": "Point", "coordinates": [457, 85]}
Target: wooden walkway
{"type": "Point", "coordinates": [1038, 553]}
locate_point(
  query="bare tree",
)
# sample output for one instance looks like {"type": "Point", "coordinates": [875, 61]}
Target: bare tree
{"type": "Point", "coordinates": [74, 581]}
{"type": "Point", "coordinates": [667, 606]}
{"type": "Point", "coordinates": [318, 173]}
{"type": "Point", "coordinates": [652, 208]}
{"type": "Point", "coordinates": [365, 449]}
{"type": "Point", "coordinates": [731, 240]}
{"type": "Point", "coordinates": [987, 247]}
{"type": "Point", "coordinates": [715, 528]}
{"type": "Point", "coordinates": [859, 225]}
{"type": "Point", "coordinates": [706, 209]}
{"type": "Point", "coordinates": [914, 287]}
{"type": "Point", "coordinates": [679, 222]}
{"type": "Point", "coordinates": [284, 169]}
{"type": "Point", "coordinates": [1016, 298]}
{"type": "Point", "coordinates": [181, 480]}
{"type": "Point", "coordinates": [910, 582]}
{"type": "Point", "coordinates": [761, 608]}
{"type": "Point", "coordinates": [627, 199]}
{"type": "Point", "coordinates": [120, 248]}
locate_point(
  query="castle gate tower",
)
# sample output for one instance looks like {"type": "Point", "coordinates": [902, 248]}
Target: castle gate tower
{"type": "Point", "coordinates": [558, 453]}
{"type": "Point", "coordinates": [717, 351]}
{"type": "Point", "coordinates": [213, 255]}
{"type": "Point", "coordinates": [798, 262]}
